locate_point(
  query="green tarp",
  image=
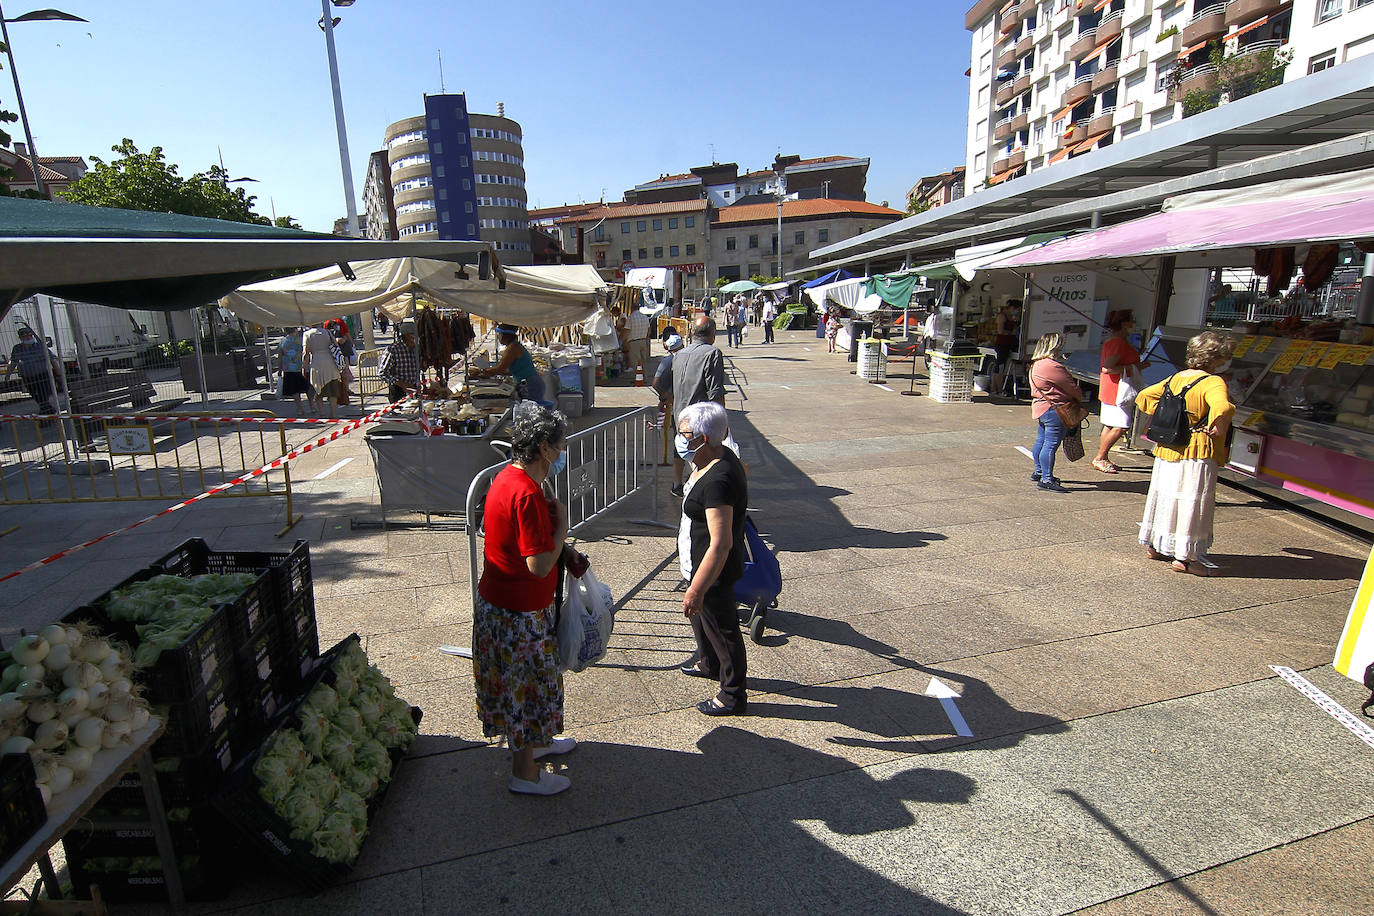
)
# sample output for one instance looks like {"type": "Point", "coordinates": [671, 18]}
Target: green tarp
{"type": "Point", "coordinates": [893, 289]}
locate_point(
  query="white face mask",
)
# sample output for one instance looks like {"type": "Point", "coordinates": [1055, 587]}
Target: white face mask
{"type": "Point", "coordinates": [1223, 368]}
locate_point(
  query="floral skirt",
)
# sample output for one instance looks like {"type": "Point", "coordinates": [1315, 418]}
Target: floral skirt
{"type": "Point", "coordinates": [515, 663]}
{"type": "Point", "coordinates": [1179, 508]}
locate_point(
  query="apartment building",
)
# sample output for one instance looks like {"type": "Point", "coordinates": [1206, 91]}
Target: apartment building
{"type": "Point", "coordinates": [459, 175]}
{"type": "Point", "coordinates": [1052, 80]}
{"type": "Point", "coordinates": [379, 207]}
{"type": "Point", "coordinates": [937, 190]}
{"type": "Point", "coordinates": [744, 238]}
{"type": "Point", "coordinates": [620, 236]}
{"type": "Point", "coordinates": [724, 186]}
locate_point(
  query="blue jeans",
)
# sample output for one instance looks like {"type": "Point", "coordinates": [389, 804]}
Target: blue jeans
{"type": "Point", "coordinates": [732, 335]}
{"type": "Point", "coordinates": [1047, 439]}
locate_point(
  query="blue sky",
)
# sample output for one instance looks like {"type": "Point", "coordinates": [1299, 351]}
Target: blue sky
{"type": "Point", "coordinates": [608, 94]}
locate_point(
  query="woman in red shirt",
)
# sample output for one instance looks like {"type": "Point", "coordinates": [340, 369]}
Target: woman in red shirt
{"type": "Point", "coordinates": [514, 642]}
{"type": "Point", "coordinates": [1118, 356]}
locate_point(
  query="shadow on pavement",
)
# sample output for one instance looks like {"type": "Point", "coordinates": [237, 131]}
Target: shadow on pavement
{"type": "Point", "coordinates": [1299, 563]}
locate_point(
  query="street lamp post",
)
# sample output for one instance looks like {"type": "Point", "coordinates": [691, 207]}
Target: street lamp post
{"type": "Point", "coordinates": [782, 191]}
{"type": "Point", "coordinates": [14, 75]}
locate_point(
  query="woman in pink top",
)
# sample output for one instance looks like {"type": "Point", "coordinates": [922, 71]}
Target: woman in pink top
{"type": "Point", "coordinates": [1051, 386]}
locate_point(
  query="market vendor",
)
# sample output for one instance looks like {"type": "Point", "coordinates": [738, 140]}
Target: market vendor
{"type": "Point", "coordinates": [399, 366]}
{"type": "Point", "coordinates": [516, 362]}
{"type": "Point", "coordinates": [32, 359]}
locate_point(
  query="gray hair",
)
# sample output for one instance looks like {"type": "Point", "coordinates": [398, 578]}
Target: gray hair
{"type": "Point", "coordinates": [706, 330]}
{"type": "Point", "coordinates": [533, 427]}
{"type": "Point", "coordinates": [705, 418]}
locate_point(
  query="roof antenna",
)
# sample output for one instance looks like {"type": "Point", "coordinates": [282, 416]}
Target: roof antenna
{"type": "Point", "coordinates": [713, 152]}
{"type": "Point", "coordinates": [500, 109]}
{"type": "Point", "coordinates": [440, 52]}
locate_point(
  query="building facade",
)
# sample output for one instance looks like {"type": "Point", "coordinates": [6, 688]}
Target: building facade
{"type": "Point", "coordinates": [57, 172]}
{"type": "Point", "coordinates": [459, 175]}
{"type": "Point", "coordinates": [744, 238]}
{"type": "Point", "coordinates": [620, 236]}
{"type": "Point", "coordinates": [724, 186]}
{"type": "Point", "coordinates": [937, 190]}
{"type": "Point", "coordinates": [379, 209]}
{"type": "Point", "coordinates": [1056, 79]}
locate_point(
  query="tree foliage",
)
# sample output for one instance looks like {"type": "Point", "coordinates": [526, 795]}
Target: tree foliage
{"type": "Point", "coordinates": [146, 181]}
{"type": "Point", "coordinates": [915, 205]}
{"type": "Point", "coordinates": [8, 117]}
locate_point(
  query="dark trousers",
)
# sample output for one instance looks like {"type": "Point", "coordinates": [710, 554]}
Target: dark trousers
{"type": "Point", "coordinates": [720, 644]}
{"type": "Point", "coordinates": [39, 389]}
{"type": "Point", "coordinates": [395, 393]}
{"type": "Point", "coordinates": [768, 332]}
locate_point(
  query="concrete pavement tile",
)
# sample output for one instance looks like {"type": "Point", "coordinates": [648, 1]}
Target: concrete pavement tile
{"type": "Point", "coordinates": [390, 611]}
{"type": "Point", "coordinates": [605, 694]}
{"type": "Point", "coordinates": [266, 894]}
{"type": "Point", "coordinates": [413, 656]}
{"type": "Point", "coordinates": [424, 543]}
{"type": "Point", "coordinates": [818, 649]}
{"type": "Point", "coordinates": [372, 574]}
{"type": "Point", "coordinates": [443, 604]}
{"type": "Point", "coordinates": [499, 881]}
{"type": "Point", "coordinates": [803, 563]}
{"type": "Point", "coordinates": [450, 722]}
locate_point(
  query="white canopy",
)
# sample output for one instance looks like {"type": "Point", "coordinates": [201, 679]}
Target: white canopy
{"type": "Point", "coordinates": [652, 277]}
{"type": "Point", "coordinates": [534, 297]}
{"type": "Point", "coordinates": [845, 293]}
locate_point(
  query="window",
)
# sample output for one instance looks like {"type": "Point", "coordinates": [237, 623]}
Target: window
{"type": "Point", "coordinates": [658, 252]}
{"type": "Point", "coordinates": [641, 226]}
{"type": "Point", "coordinates": [467, 206]}
{"type": "Point", "coordinates": [1321, 62]}
{"type": "Point", "coordinates": [658, 225]}
{"type": "Point", "coordinates": [672, 223]}
{"type": "Point", "coordinates": [691, 251]}
{"type": "Point", "coordinates": [673, 251]}
{"type": "Point", "coordinates": [443, 193]}
{"type": "Point", "coordinates": [1328, 9]}
{"type": "Point", "coordinates": [822, 235]}
{"type": "Point", "coordinates": [462, 139]}
{"type": "Point", "coordinates": [467, 184]}
{"type": "Point", "coordinates": [799, 238]}
{"type": "Point", "coordinates": [444, 216]}
{"type": "Point", "coordinates": [625, 228]}
{"type": "Point", "coordinates": [755, 270]}
{"type": "Point", "coordinates": [753, 243]}
{"type": "Point", "coordinates": [438, 171]}
{"type": "Point", "coordinates": [434, 124]}
{"type": "Point", "coordinates": [472, 230]}
{"type": "Point", "coordinates": [729, 243]}
{"type": "Point", "coordinates": [437, 149]}
{"type": "Point", "coordinates": [463, 161]}
{"type": "Point", "coordinates": [624, 254]}
{"type": "Point", "coordinates": [690, 222]}
{"type": "Point", "coordinates": [644, 254]}
{"type": "Point", "coordinates": [727, 195]}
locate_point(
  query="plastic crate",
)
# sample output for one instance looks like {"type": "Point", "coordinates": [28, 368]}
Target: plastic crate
{"type": "Point", "coordinates": [106, 857]}
{"type": "Point", "coordinates": [181, 672]}
{"type": "Point", "coordinates": [186, 781]}
{"type": "Point", "coordinates": [297, 650]}
{"type": "Point", "coordinates": [285, 577]}
{"type": "Point", "coordinates": [21, 806]}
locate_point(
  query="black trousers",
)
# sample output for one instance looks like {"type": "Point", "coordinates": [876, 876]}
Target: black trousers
{"type": "Point", "coordinates": [395, 393]}
{"type": "Point", "coordinates": [39, 389]}
{"type": "Point", "coordinates": [720, 644]}
{"type": "Point", "coordinates": [768, 332]}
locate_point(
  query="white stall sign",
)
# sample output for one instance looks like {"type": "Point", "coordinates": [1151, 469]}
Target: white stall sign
{"type": "Point", "coordinates": [1054, 298]}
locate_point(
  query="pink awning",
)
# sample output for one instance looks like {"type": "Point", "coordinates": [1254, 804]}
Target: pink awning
{"type": "Point", "coordinates": [1253, 223]}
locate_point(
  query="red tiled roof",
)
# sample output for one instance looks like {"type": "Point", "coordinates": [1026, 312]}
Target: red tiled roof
{"type": "Point", "coordinates": [800, 209]}
{"type": "Point", "coordinates": [565, 210]}
{"type": "Point", "coordinates": [23, 172]}
{"type": "Point", "coordinates": [761, 173]}
{"type": "Point", "coordinates": [666, 178]}
{"type": "Point", "coordinates": [622, 210]}
{"type": "Point", "coordinates": [43, 159]}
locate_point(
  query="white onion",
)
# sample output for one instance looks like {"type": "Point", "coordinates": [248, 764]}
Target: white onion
{"type": "Point", "coordinates": [50, 734]}
{"type": "Point", "coordinates": [55, 634]}
{"type": "Point", "coordinates": [30, 650]}
{"type": "Point", "coordinates": [72, 700]}
{"type": "Point", "coordinates": [78, 759]}
{"type": "Point", "coordinates": [60, 780]}
{"type": "Point", "coordinates": [42, 767]}
{"type": "Point", "coordinates": [98, 696]}
{"type": "Point", "coordinates": [81, 675]}
{"type": "Point", "coordinates": [75, 637]}
{"type": "Point", "coordinates": [115, 734]}
{"type": "Point", "coordinates": [19, 744]}
{"type": "Point", "coordinates": [112, 667]}
{"type": "Point", "coordinates": [32, 689]}
{"type": "Point", "coordinates": [89, 732]}
{"type": "Point", "coordinates": [120, 709]}
{"type": "Point", "coordinates": [70, 719]}
{"type": "Point", "coordinates": [121, 687]}
{"type": "Point", "coordinates": [12, 706]}
{"type": "Point", "coordinates": [139, 720]}
{"type": "Point", "coordinates": [93, 652]}
{"type": "Point", "coordinates": [32, 672]}
{"type": "Point", "coordinates": [59, 658]}
{"type": "Point", "coordinates": [42, 709]}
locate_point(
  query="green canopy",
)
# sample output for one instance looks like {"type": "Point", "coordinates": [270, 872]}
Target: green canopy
{"type": "Point", "coordinates": [937, 270]}
{"type": "Point", "coordinates": [893, 289]}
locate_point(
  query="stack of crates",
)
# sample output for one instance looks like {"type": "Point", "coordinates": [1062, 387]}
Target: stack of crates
{"type": "Point", "coordinates": [951, 378]}
{"type": "Point", "coordinates": [873, 359]}
{"type": "Point", "coordinates": [217, 693]}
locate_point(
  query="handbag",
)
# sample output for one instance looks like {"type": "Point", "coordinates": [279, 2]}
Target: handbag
{"type": "Point", "coordinates": [1128, 387]}
{"type": "Point", "coordinates": [1074, 417]}
{"type": "Point", "coordinates": [1073, 445]}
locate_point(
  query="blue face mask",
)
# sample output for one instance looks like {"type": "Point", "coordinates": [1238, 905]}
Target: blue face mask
{"type": "Point", "coordinates": [683, 451]}
{"type": "Point", "coordinates": [559, 463]}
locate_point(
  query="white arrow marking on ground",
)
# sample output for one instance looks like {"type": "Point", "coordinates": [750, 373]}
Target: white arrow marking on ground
{"type": "Point", "coordinates": [330, 470]}
{"type": "Point", "coordinates": [884, 387]}
{"type": "Point", "coordinates": [788, 387]}
{"type": "Point", "coordinates": [807, 349]}
{"type": "Point", "coordinates": [1025, 451]}
{"type": "Point", "coordinates": [946, 695]}
{"type": "Point", "coordinates": [460, 651]}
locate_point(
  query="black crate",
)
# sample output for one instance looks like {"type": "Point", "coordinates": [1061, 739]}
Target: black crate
{"type": "Point", "coordinates": [253, 659]}
{"type": "Point", "coordinates": [295, 653]}
{"type": "Point", "coordinates": [180, 673]}
{"type": "Point", "coordinates": [289, 573]}
{"type": "Point", "coordinates": [186, 781]}
{"type": "Point", "coordinates": [296, 622]}
{"type": "Point", "coordinates": [21, 806]}
{"type": "Point", "coordinates": [124, 862]}
{"type": "Point", "coordinates": [258, 710]}
{"type": "Point", "coordinates": [196, 721]}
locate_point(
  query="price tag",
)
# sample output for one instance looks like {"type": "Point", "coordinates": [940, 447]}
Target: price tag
{"type": "Point", "coordinates": [1289, 357]}
{"type": "Point", "coordinates": [1244, 346]}
{"type": "Point", "coordinates": [1262, 344]}
{"type": "Point", "coordinates": [1357, 355]}
{"type": "Point", "coordinates": [1334, 356]}
{"type": "Point", "coordinates": [1314, 354]}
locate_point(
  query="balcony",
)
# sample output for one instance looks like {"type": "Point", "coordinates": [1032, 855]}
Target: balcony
{"type": "Point", "coordinates": [1017, 159]}
{"type": "Point", "coordinates": [1244, 12]}
{"type": "Point", "coordinates": [1002, 131]}
{"type": "Point", "coordinates": [1083, 46]}
{"type": "Point", "coordinates": [1006, 58]}
{"type": "Point", "coordinates": [1010, 20]}
{"type": "Point", "coordinates": [1203, 77]}
{"type": "Point", "coordinates": [1020, 122]}
{"type": "Point", "coordinates": [1026, 44]}
{"type": "Point", "coordinates": [1110, 26]}
{"type": "Point", "coordinates": [1171, 45]}
{"type": "Point", "coordinates": [1106, 77]}
{"type": "Point", "coordinates": [1078, 92]}
{"type": "Point", "coordinates": [1102, 122]}
{"type": "Point", "coordinates": [1001, 165]}
{"type": "Point", "coordinates": [1084, 7]}
{"type": "Point", "coordinates": [1206, 24]}
{"type": "Point", "coordinates": [1021, 84]}
{"type": "Point", "coordinates": [1027, 8]}
{"type": "Point", "coordinates": [599, 242]}
{"type": "Point", "coordinates": [1005, 93]}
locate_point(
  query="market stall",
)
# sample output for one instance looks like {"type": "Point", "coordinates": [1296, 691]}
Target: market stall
{"type": "Point", "coordinates": [1304, 384]}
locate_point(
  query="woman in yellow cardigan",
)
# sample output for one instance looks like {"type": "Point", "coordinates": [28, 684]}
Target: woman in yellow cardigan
{"type": "Point", "coordinates": [1178, 512]}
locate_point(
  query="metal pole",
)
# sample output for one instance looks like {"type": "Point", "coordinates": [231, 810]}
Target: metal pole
{"type": "Point", "coordinates": [267, 360]}
{"type": "Point", "coordinates": [78, 338]}
{"type": "Point", "coordinates": [23, 116]}
{"type": "Point", "coordinates": [200, 360]}
{"type": "Point", "coordinates": [52, 378]}
{"type": "Point", "coordinates": [339, 121]}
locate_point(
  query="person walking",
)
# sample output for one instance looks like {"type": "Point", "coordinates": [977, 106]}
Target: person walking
{"type": "Point", "coordinates": [1177, 524]}
{"type": "Point", "coordinates": [322, 359]}
{"type": "Point", "coordinates": [715, 510]}
{"type": "Point", "coordinates": [768, 316]}
{"type": "Point", "coordinates": [1004, 344]}
{"type": "Point", "coordinates": [698, 375]}
{"type": "Point", "coordinates": [638, 325]}
{"type": "Point", "coordinates": [1120, 362]}
{"type": "Point", "coordinates": [514, 637]}
{"type": "Point", "coordinates": [832, 328]}
{"type": "Point", "coordinates": [32, 360]}
{"type": "Point", "coordinates": [663, 384]}
{"type": "Point", "coordinates": [399, 366]}
{"type": "Point", "coordinates": [1051, 388]}
{"type": "Point", "coordinates": [730, 315]}
{"type": "Point", "coordinates": [291, 359]}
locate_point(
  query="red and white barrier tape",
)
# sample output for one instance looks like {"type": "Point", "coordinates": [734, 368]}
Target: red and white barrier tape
{"type": "Point", "coordinates": [145, 418]}
{"type": "Point", "coordinates": [266, 468]}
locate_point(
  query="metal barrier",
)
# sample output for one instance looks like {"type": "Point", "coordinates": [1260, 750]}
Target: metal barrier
{"type": "Point", "coordinates": [607, 465]}
{"type": "Point", "coordinates": [95, 458]}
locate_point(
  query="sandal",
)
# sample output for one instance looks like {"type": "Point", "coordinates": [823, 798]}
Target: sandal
{"type": "Point", "coordinates": [1156, 555]}
{"type": "Point", "coordinates": [1194, 568]}
{"type": "Point", "coordinates": [1105, 466]}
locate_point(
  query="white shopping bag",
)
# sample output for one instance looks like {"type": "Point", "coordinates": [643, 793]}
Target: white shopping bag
{"type": "Point", "coordinates": [584, 624]}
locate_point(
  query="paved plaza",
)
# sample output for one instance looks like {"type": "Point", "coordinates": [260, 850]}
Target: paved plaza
{"type": "Point", "coordinates": [1131, 752]}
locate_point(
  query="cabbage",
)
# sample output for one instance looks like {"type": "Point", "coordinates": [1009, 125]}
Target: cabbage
{"type": "Point", "coordinates": [338, 838]}
{"type": "Point", "coordinates": [286, 745]}
{"type": "Point", "coordinates": [360, 782]}
{"type": "Point", "coordinates": [274, 776]}
{"type": "Point", "coordinates": [314, 728]}
{"type": "Point", "coordinates": [324, 699]}
{"type": "Point", "coordinates": [320, 781]}
{"type": "Point", "coordinates": [350, 721]}
{"type": "Point", "coordinates": [352, 805]}
{"type": "Point", "coordinates": [339, 749]}
{"type": "Point", "coordinates": [345, 684]}
{"type": "Point", "coordinates": [369, 707]}
{"type": "Point", "coordinates": [372, 758]}
{"type": "Point", "coordinates": [302, 811]}
{"type": "Point", "coordinates": [352, 660]}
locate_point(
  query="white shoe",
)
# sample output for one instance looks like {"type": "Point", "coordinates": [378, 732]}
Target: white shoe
{"type": "Point", "coordinates": [548, 784]}
{"type": "Point", "coordinates": [558, 746]}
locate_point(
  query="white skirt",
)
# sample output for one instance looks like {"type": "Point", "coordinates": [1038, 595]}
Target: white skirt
{"type": "Point", "coordinates": [1116, 416]}
{"type": "Point", "coordinates": [1179, 508]}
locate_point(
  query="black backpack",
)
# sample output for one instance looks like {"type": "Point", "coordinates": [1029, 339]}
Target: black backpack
{"type": "Point", "coordinates": [1170, 425]}
{"type": "Point", "coordinates": [1369, 682]}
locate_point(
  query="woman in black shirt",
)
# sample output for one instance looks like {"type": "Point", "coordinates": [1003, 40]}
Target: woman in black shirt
{"type": "Point", "coordinates": [714, 507]}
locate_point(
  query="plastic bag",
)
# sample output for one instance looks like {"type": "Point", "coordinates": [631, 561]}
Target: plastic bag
{"type": "Point", "coordinates": [584, 623]}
